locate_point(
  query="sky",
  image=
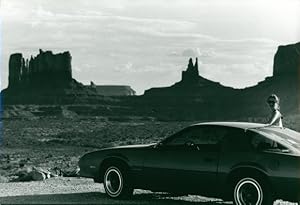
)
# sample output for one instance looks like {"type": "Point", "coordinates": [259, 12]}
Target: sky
{"type": "Point", "coordinates": [147, 43]}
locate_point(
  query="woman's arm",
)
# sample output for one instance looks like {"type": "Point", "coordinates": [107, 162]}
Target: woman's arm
{"type": "Point", "coordinates": [272, 120]}
{"type": "Point", "coordinates": [276, 115]}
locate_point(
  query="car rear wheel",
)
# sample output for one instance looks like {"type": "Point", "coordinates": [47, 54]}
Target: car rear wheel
{"type": "Point", "coordinates": [116, 182]}
{"type": "Point", "coordinates": [248, 190]}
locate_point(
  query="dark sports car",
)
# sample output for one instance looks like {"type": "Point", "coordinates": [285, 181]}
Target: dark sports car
{"type": "Point", "coordinates": [244, 162]}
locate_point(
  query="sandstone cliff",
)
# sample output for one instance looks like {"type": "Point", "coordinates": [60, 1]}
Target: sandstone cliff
{"type": "Point", "coordinates": [47, 79]}
{"type": "Point", "coordinates": [287, 60]}
{"type": "Point", "coordinates": [192, 98]}
{"type": "Point", "coordinates": [205, 99]}
{"type": "Point", "coordinates": [44, 70]}
{"type": "Point", "coordinates": [44, 79]}
{"type": "Point", "coordinates": [114, 90]}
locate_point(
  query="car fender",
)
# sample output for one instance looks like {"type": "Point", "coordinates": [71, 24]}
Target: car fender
{"type": "Point", "coordinates": [115, 156]}
{"type": "Point", "coordinates": [250, 166]}
{"type": "Point", "coordinates": [239, 169]}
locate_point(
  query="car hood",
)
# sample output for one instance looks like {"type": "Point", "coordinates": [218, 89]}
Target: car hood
{"type": "Point", "coordinates": [129, 146]}
{"type": "Point", "coordinates": [104, 151]}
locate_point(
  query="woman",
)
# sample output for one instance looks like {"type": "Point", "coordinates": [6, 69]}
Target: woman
{"type": "Point", "coordinates": [276, 116]}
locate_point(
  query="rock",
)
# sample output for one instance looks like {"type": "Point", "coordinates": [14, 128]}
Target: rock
{"type": "Point", "coordinates": [191, 85]}
{"type": "Point", "coordinates": [114, 90]}
{"type": "Point", "coordinates": [71, 173]}
{"type": "Point", "coordinates": [57, 172]}
{"type": "Point", "coordinates": [15, 68]}
{"type": "Point", "coordinates": [27, 173]}
{"type": "Point", "coordinates": [44, 70]}
{"type": "Point", "coordinates": [195, 97]}
{"type": "Point", "coordinates": [287, 60]}
{"type": "Point", "coordinates": [192, 73]}
{"type": "Point", "coordinates": [45, 79]}
{"type": "Point", "coordinates": [24, 174]}
{"type": "Point", "coordinates": [38, 175]}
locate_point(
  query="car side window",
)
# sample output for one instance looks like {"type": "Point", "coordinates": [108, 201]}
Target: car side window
{"type": "Point", "coordinates": [236, 141]}
{"type": "Point", "coordinates": [178, 138]}
{"type": "Point", "coordinates": [209, 135]}
{"type": "Point", "coordinates": [198, 135]}
{"type": "Point", "coordinates": [260, 142]}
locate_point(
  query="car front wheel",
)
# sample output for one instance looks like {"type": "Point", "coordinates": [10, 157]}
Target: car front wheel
{"type": "Point", "coordinates": [250, 191]}
{"type": "Point", "coordinates": [115, 183]}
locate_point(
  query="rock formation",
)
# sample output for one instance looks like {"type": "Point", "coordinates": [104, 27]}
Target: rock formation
{"type": "Point", "coordinates": [212, 99]}
{"type": "Point", "coordinates": [192, 73]}
{"type": "Point", "coordinates": [44, 79]}
{"type": "Point", "coordinates": [16, 65]}
{"type": "Point", "coordinates": [287, 61]}
{"type": "Point", "coordinates": [44, 70]}
{"type": "Point", "coordinates": [114, 90]}
{"type": "Point", "coordinates": [47, 79]}
{"type": "Point", "coordinates": [191, 84]}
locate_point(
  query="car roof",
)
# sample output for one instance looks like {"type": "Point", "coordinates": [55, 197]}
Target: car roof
{"type": "Point", "coordinates": [290, 135]}
{"type": "Point", "coordinates": [241, 125]}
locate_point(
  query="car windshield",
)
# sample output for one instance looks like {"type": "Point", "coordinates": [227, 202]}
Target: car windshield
{"type": "Point", "coordinates": [287, 135]}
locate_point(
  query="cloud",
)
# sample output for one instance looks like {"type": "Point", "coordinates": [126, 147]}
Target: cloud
{"type": "Point", "coordinates": [77, 69]}
{"type": "Point", "coordinates": [129, 67]}
{"type": "Point", "coordinates": [233, 74]}
{"type": "Point", "coordinates": [131, 40]}
{"type": "Point", "coordinates": [41, 16]}
{"type": "Point", "coordinates": [190, 52]}
{"type": "Point", "coordinates": [193, 52]}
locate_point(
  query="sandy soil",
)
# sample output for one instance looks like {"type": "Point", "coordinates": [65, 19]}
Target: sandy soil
{"type": "Point", "coordinates": [64, 190]}
{"type": "Point", "coordinates": [51, 143]}
{"type": "Point", "coordinates": [83, 191]}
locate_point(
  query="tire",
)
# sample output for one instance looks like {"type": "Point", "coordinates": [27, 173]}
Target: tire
{"type": "Point", "coordinates": [250, 190]}
{"type": "Point", "coordinates": [116, 182]}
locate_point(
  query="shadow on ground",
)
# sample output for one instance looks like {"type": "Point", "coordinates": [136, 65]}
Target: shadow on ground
{"type": "Point", "coordinates": [101, 198]}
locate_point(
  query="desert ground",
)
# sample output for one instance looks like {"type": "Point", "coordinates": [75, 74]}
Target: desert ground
{"type": "Point", "coordinates": [84, 191]}
{"type": "Point", "coordinates": [64, 190]}
{"type": "Point", "coordinates": [57, 143]}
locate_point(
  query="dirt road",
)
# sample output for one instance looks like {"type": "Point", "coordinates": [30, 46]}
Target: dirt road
{"type": "Point", "coordinates": [83, 191]}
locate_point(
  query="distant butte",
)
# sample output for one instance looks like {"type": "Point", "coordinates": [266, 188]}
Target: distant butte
{"type": "Point", "coordinates": [47, 78]}
{"type": "Point", "coordinates": [212, 97]}
{"type": "Point", "coordinates": [46, 70]}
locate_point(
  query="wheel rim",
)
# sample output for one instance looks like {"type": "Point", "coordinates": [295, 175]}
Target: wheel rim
{"type": "Point", "coordinates": [248, 192]}
{"type": "Point", "coordinates": [113, 181]}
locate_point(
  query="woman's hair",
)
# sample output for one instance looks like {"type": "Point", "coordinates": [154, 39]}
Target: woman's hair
{"type": "Point", "coordinates": [273, 98]}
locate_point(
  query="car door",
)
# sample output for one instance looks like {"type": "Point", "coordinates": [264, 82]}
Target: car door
{"type": "Point", "coordinates": [236, 151]}
{"type": "Point", "coordinates": [185, 162]}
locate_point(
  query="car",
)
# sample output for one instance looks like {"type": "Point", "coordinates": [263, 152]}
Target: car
{"type": "Point", "coordinates": [248, 163]}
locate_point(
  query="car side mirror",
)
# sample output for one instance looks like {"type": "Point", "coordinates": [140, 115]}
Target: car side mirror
{"type": "Point", "coordinates": [191, 145]}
